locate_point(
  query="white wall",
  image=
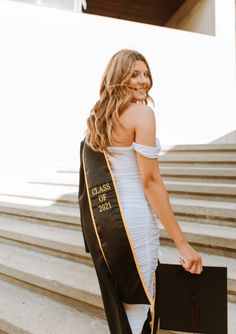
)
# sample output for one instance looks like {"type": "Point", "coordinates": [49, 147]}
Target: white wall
{"type": "Point", "coordinates": [51, 62]}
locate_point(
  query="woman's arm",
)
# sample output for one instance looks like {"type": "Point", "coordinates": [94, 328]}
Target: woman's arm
{"type": "Point", "coordinates": [154, 188]}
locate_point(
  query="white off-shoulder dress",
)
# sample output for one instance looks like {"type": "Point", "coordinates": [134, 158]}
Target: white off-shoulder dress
{"type": "Point", "coordinates": [143, 224]}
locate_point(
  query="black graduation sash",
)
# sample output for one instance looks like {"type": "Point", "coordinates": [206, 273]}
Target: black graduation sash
{"type": "Point", "coordinates": [104, 228]}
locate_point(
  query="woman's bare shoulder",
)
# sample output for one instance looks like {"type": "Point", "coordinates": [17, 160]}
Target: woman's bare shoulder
{"type": "Point", "coordinates": [138, 113]}
{"type": "Point", "coordinates": [135, 109]}
{"type": "Point", "coordinates": [138, 107]}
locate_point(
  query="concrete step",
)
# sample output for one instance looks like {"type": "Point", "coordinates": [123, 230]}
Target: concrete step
{"type": "Point", "coordinates": [199, 148]}
{"type": "Point", "coordinates": [186, 148]}
{"type": "Point", "coordinates": [205, 197]}
{"type": "Point", "coordinates": [173, 168]}
{"type": "Point", "coordinates": [68, 174]}
{"type": "Point", "coordinates": [208, 174]}
{"type": "Point", "coordinates": [18, 305]}
{"type": "Point", "coordinates": [208, 211]}
{"type": "Point", "coordinates": [69, 282]}
{"type": "Point", "coordinates": [67, 243]}
{"type": "Point", "coordinates": [44, 211]}
{"type": "Point", "coordinates": [199, 158]}
{"type": "Point", "coordinates": [56, 192]}
{"type": "Point", "coordinates": [212, 239]}
{"type": "Point", "coordinates": [72, 175]}
{"type": "Point", "coordinates": [195, 164]}
{"type": "Point", "coordinates": [60, 193]}
{"type": "Point", "coordinates": [214, 243]}
{"type": "Point", "coordinates": [27, 312]}
{"type": "Point", "coordinates": [76, 284]}
{"type": "Point", "coordinates": [61, 242]}
{"type": "Point", "coordinates": [205, 173]}
{"type": "Point", "coordinates": [193, 188]}
{"type": "Point", "coordinates": [200, 179]}
{"type": "Point", "coordinates": [214, 190]}
{"type": "Point", "coordinates": [218, 189]}
{"type": "Point", "coordinates": [63, 187]}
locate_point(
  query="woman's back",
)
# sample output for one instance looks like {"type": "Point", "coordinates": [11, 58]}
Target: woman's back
{"type": "Point", "coordinates": [126, 136]}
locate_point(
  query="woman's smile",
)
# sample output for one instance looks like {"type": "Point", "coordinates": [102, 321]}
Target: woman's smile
{"type": "Point", "coordinates": [140, 90]}
{"type": "Point", "coordinates": [139, 94]}
{"type": "Point", "coordinates": [140, 81]}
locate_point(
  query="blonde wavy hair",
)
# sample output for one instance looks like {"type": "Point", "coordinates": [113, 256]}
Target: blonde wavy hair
{"type": "Point", "coordinates": [115, 97]}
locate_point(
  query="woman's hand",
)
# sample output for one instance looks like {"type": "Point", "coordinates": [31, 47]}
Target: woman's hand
{"type": "Point", "coordinates": [190, 260]}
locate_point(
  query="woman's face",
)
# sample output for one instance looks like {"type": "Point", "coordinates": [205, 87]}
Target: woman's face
{"type": "Point", "coordinates": [140, 81]}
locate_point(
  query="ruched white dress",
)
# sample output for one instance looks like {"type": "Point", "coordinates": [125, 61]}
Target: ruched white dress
{"type": "Point", "coordinates": [142, 222]}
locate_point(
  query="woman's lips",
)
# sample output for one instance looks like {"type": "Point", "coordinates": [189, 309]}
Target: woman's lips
{"type": "Point", "coordinates": [140, 90]}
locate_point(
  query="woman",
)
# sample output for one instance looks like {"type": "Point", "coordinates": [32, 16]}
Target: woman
{"type": "Point", "coordinates": [122, 197]}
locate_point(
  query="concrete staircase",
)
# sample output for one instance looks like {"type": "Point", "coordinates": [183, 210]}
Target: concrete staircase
{"type": "Point", "coordinates": [47, 282]}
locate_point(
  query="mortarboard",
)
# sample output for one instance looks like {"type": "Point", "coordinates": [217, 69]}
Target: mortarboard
{"type": "Point", "coordinates": [191, 302]}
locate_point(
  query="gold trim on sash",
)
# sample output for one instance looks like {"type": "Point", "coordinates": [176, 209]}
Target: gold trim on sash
{"type": "Point", "coordinates": [128, 235]}
{"type": "Point", "coordinates": [93, 219]}
{"type": "Point", "coordinates": [153, 306]}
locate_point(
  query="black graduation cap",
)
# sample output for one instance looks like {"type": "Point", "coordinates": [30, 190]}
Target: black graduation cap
{"type": "Point", "coordinates": [191, 302]}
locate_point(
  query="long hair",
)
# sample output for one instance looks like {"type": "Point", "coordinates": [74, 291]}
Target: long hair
{"type": "Point", "coordinates": [115, 97]}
